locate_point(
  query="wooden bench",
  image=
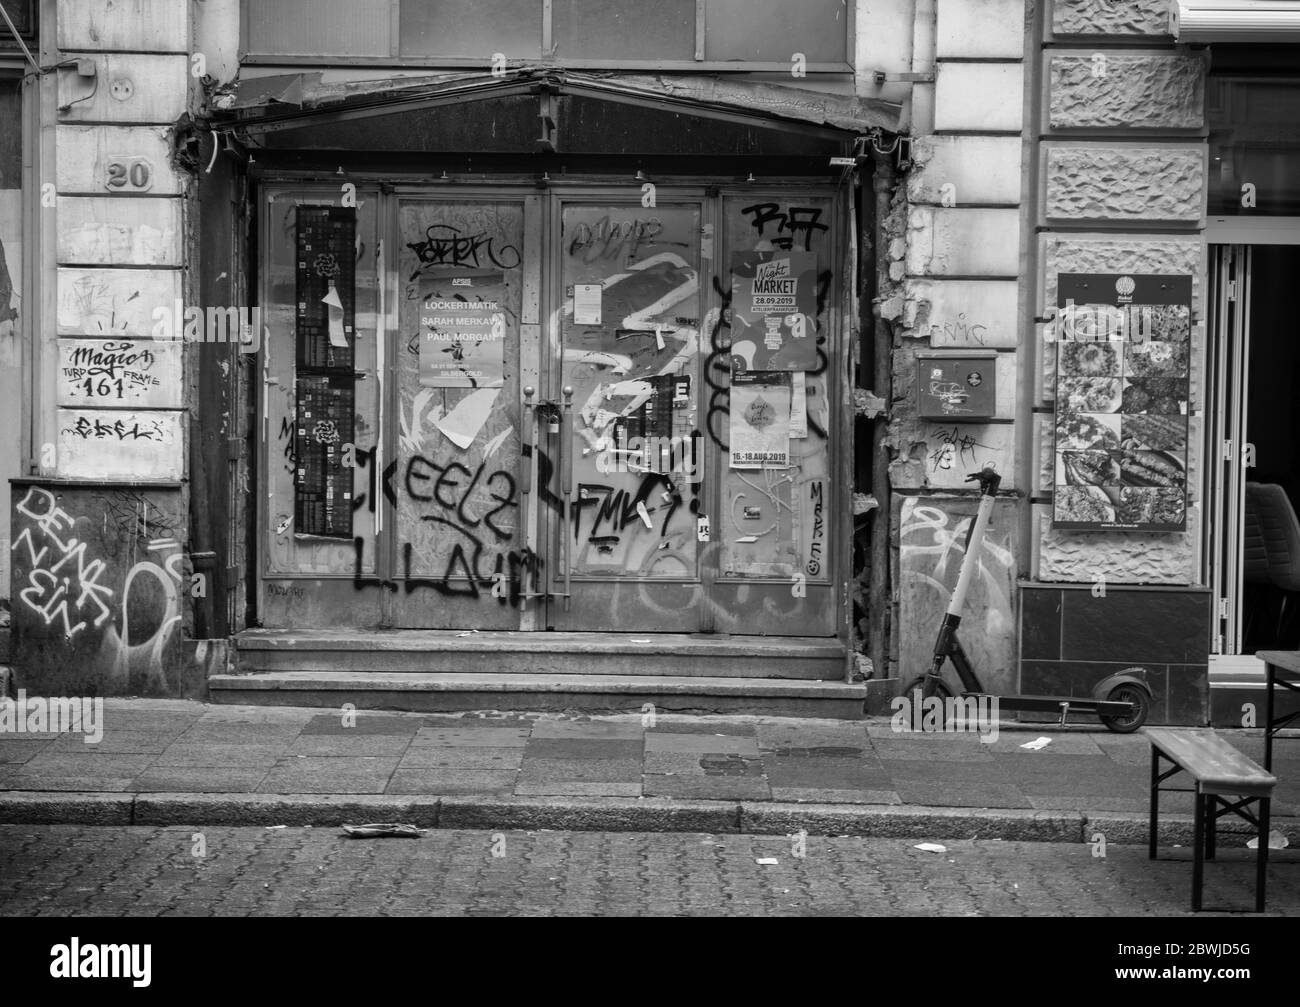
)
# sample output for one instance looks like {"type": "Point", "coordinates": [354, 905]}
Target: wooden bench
{"type": "Point", "coordinates": [1220, 772]}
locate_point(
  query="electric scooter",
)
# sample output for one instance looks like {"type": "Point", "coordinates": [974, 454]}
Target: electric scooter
{"type": "Point", "coordinates": [1122, 701]}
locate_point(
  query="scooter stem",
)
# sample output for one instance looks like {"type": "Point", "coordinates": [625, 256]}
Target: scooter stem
{"type": "Point", "coordinates": [988, 481]}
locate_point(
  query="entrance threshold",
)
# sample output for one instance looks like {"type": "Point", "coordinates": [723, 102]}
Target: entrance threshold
{"type": "Point", "coordinates": [466, 670]}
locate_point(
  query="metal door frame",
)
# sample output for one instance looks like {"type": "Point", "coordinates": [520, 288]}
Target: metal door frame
{"type": "Point", "coordinates": [540, 351]}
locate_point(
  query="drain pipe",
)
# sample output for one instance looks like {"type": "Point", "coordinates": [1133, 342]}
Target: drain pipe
{"type": "Point", "coordinates": [879, 601]}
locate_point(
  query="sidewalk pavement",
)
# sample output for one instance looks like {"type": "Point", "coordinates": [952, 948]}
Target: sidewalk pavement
{"type": "Point", "coordinates": [170, 762]}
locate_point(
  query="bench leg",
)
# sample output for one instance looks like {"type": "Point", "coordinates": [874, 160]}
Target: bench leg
{"type": "Point", "coordinates": [1198, 850]}
{"type": "Point", "coordinates": [1261, 860]}
{"type": "Point", "coordinates": [1155, 803]}
{"type": "Point", "coordinates": [1211, 824]}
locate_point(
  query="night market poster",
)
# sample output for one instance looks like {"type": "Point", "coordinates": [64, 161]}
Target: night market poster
{"type": "Point", "coordinates": [773, 311]}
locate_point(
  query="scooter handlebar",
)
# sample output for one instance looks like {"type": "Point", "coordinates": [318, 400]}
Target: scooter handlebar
{"type": "Point", "coordinates": [988, 479]}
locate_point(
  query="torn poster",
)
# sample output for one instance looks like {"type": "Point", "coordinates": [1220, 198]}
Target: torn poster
{"type": "Point", "coordinates": [586, 304]}
{"type": "Point", "coordinates": [799, 405]}
{"type": "Point", "coordinates": [463, 423]}
{"type": "Point", "coordinates": [760, 420]}
{"type": "Point", "coordinates": [335, 304]}
{"type": "Point", "coordinates": [773, 311]}
{"type": "Point", "coordinates": [463, 331]}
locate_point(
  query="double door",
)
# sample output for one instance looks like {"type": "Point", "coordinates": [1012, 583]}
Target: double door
{"type": "Point", "coordinates": [515, 410]}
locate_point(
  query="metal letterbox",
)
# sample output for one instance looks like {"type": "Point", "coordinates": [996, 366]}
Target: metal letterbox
{"type": "Point", "coordinates": [956, 385]}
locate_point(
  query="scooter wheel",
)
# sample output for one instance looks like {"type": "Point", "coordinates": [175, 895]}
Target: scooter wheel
{"type": "Point", "coordinates": [1130, 722]}
{"type": "Point", "coordinates": [915, 690]}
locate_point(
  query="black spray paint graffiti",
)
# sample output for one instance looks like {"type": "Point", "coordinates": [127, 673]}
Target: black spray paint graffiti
{"type": "Point", "coordinates": [791, 223]}
{"type": "Point", "coordinates": [717, 366]}
{"type": "Point", "coordinates": [445, 245]}
{"type": "Point", "coordinates": [955, 447]}
{"type": "Point", "coordinates": [814, 566]}
{"type": "Point", "coordinates": [119, 430]}
{"type": "Point", "coordinates": [613, 239]}
{"type": "Point", "coordinates": [468, 570]}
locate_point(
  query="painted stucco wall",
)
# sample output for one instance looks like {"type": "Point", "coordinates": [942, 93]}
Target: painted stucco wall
{"type": "Point", "coordinates": [956, 266]}
{"type": "Point", "coordinates": [111, 403]}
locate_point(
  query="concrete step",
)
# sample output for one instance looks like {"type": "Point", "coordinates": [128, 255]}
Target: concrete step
{"type": "Point", "coordinates": [678, 655]}
{"type": "Point", "coordinates": [425, 692]}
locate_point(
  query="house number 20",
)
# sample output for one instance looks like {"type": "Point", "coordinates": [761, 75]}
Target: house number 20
{"type": "Point", "coordinates": [129, 173]}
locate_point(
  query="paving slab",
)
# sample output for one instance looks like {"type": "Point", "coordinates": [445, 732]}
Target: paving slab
{"type": "Point", "coordinates": [710, 743]}
{"type": "Point", "coordinates": [451, 781]}
{"type": "Point", "coordinates": [199, 779]}
{"type": "Point", "coordinates": [468, 737]}
{"type": "Point", "coordinates": [478, 757]}
{"type": "Point", "coordinates": [715, 788]}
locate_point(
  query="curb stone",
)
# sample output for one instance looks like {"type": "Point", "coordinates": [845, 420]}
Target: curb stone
{"type": "Point", "coordinates": [595, 814]}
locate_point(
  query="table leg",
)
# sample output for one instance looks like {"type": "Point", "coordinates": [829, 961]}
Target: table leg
{"type": "Point", "coordinates": [1155, 803]}
{"type": "Point", "coordinates": [1261, 861]}
{"type": "Point", "coordinates": [1198, 850]}
{"type": "Point", "coordinates": [1211, 824]}
{"type": "Point", "coordinates": [1270, 675]}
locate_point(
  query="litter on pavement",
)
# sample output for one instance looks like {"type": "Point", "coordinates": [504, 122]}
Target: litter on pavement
{"type": "Point", "coordinates": [1037, 743]}
{"type": "Point", "coordinates": [377, 830]}
{"type": "Point", "coordinates": [931, 847]}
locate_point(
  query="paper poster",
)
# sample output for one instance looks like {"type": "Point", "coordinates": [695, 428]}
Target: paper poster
{"type": "Point", "coordinates": [462, 331]}
{"type": "Point", "coordinates": [463, 423]}
{"type": "Point", "coordinates": [586, 303]}
{"type": "Point", "coordinates": [760, 420]}
{"type": "Point", "coordinates": [799, 404]}
{"type": "Point", "coordinates": [1122, 396]}
{"type": "Point", "coordinates": [773, 311]}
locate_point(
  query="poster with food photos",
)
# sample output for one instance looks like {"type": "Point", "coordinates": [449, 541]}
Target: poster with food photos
{"type": "Point", "coordinates": [1123, 357]}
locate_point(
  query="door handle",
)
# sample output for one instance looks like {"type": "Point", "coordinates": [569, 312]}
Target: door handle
{"type": "Point", "coordinates": [527, 422]}
{"type": "Point", "coordinates": [566, 486]}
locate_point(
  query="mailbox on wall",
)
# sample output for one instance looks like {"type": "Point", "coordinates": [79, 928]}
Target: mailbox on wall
{"type": "Point", "coordinates": [956, 385]}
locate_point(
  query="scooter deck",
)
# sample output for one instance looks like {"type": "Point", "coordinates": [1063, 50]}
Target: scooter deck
{"type": "Point", "coordinates": [1052, 704]}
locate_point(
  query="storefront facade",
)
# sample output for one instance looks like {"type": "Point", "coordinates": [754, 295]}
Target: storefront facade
{"type": "Point", "coordinates": [587, 365]}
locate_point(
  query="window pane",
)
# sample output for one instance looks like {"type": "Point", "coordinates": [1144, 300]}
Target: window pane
{"type": "Point", "coordinates": [319, 27]}
{"type": "Point", "coordinates": [1254, 147]}
{"type": "Point", "coordinates": [471, 28]}
{"type": "Point", "coordinates": [771, 30]}
{"type": "Point", "coordinates": [622, 29]}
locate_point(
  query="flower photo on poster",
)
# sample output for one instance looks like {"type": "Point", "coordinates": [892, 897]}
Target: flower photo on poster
{"type": "Point", "coordinates": [1122, 392]}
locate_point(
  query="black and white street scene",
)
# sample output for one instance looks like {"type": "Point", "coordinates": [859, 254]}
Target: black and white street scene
{"type": "Point", "coordinates": [676, 458]}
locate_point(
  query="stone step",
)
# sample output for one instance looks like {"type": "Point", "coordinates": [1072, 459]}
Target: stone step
{"type": "Point", "coordinates": [425, 692]}
{"type": "Point", "coordinates": [677, 655]}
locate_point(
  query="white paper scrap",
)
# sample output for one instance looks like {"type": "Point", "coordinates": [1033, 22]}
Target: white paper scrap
{"type": "Point", "coordinates": [586, 303]}
{"type": "Point", "coordinates": [766, 861]}
{"type": "Point", "coordinates": [1037, 743]}
{"type": "Point", "coordinates": [799, 405]}
{"type": "Point", "coordinates": [463, 423]}
{"type": "Point", "coordinates": [931, 847]}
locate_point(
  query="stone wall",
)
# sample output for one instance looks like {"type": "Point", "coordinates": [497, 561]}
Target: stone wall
{"type": "Point", "coordinates": [1122, 172]}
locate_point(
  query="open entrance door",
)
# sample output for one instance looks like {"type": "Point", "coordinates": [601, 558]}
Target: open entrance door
{"type": "Point", "coordinates": [1253, 495]}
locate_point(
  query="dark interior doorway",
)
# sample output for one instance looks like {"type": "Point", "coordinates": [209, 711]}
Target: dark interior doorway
{"type": "Point", "coordinates": [1272, 536]}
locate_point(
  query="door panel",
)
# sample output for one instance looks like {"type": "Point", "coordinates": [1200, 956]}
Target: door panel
{"type": "Point", "coordinates": [629, 352]}
{"type": "Point", "coordinates": [774, 525]}
{"type": "Point", "coordinates": [462, 556]}
{"type": "Point", "coordinates": [301, 441]}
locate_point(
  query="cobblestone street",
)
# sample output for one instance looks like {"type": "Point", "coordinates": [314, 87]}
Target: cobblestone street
{"type": "Point", "coordinates": [138, 871]}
